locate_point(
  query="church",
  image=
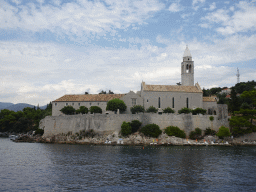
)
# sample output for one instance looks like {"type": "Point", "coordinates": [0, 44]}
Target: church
{"type": "Point", "coordinates": [187, 94]}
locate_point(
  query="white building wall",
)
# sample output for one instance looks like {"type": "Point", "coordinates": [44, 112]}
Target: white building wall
{"type": "Point", "coordinates": [128, 101]}
{"type": "Point", "coordinates": [166, 99]}
{"type": "Point", "coordinates": [57, 106]}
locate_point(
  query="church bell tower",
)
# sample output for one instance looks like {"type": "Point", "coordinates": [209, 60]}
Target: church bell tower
{"type": "Point", "coordinates": [187, 69]}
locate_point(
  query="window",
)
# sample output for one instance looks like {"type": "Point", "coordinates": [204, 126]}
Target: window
{"type": "Point", "coordinates": [159, 102]}
{"type": "Point", "coordinates": [187, 102]}
{"type": "Point", "coordinates": [73, 104]}
{"type": "Point", "coordinates": [78, 104]}
{"type": "Point", "coordinates": [90, 103]}
{"type": "Point", "coordinates": [147, 100]}
{"type": "Point", "coordinates": [55, 104]}
{"type": "Point", "coordinates": [66, 104]}
{"type": "Point", "coordinates": [133, 101]}
{"type": "Point", "coordinates": [98, 103]}
{"type": "Point", "coordinates": [173, 102]}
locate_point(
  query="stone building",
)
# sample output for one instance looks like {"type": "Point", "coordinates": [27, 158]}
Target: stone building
{"type": "Point", "coordinates": [187, 94]}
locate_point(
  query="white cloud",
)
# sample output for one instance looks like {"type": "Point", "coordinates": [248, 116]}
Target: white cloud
{"type": "Point", "coordinates": [41, 72]}
{"type": "Point", "coordinates": [17, 2]}
{"type": "Point", "coordinates": [78, 18]}
{"type": "Point", "coordinates": [242, 20]}
{"type": "Point", "coordinates": [175, 7]}
{"type": "Point", "coordinates": [197, 3]}
{"type": "Point", "coordinates": [212, 6]}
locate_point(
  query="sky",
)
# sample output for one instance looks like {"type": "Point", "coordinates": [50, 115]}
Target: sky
{"type": "Point", "coordinates": [49, 48]}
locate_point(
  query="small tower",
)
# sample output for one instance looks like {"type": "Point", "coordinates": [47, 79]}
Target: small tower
{"type": "Point", "coordinates": [238, 76]}
{"type": "Point", "coordinates": [187, 69]}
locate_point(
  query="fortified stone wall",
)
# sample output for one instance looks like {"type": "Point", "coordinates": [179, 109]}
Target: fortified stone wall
{"type": "Point", "coordinates": [102, 123]}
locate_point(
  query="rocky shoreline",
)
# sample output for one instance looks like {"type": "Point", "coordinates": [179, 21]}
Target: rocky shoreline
{"type": "Point", "coordinates": [136, 139]}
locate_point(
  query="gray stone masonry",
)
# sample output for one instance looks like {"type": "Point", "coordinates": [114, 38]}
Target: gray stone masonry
{"type": "Point", "coordinates": [102, 123]}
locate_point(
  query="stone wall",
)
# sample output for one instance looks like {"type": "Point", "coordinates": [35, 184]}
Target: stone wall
{"type": "Point", "coordinates": [103, 123]}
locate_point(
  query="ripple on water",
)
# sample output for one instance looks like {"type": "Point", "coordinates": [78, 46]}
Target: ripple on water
{"type": "Point", "coordinates": [54, 167]}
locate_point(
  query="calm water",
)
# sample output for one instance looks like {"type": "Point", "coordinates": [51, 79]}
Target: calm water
{"type": "Point", "coordinates": [55, 167]}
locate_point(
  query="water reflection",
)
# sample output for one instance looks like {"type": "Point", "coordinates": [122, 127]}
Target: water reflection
{"type": "Point", "coordinates": [55, 167]}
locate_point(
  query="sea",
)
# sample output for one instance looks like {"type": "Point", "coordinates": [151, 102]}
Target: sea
{"type": "Point", "coordinates": [64, 167]}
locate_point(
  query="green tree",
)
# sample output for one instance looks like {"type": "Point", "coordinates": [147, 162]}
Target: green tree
{"type": "Point", "coordinates": [152, 109]}
{"type": "Point", "coordinates": [197, 134]}
{"type": "Point", "coordinates": [82, 110]}
{"type": "Point", "coordinates": [185, 110]}
{"type": "Point", "coordinates": [199, 111]}
{"type": "Point", "coordinates": [126, 129]}
{"type": "Point", "coordinates": [151, 130]}
{"type": "Point", "coordinates": [115, 104]}
{"type": "Point", "coordinates": [103, 92]}
{"type": "Point", "coordinates": [95, 109]}
{"type": "Point", "coordinates": [135, 124]}
{"type": "Point", "coordinates": [250, 95]}
{"type": "Point", "coordinates": [222, 98]}
{"type": "Point", "coordinates": [68, 110]}
{"type": "Point", "coordinates": [175, 131]}
{"type": "Point", "coordinates": [168, 110]}
{"type": "Point", "coordinates": [137, 109]}
{"type": "Point", "coordinates": [234, 102]}
{"type": "Point", "coordinates": [223, 132]}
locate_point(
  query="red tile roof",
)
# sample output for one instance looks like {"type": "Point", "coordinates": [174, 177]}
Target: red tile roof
{"type": "Point", "coordinates": [89, 97]}
{"type": "Point", "coordinates": [209, 99]}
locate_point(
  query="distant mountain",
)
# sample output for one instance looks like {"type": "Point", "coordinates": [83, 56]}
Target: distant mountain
{"type": "Point", "coordinates": [19, 106]}
{"type": "Point", "coordinates": [4, 105]}
{"type": "Point", "coordinates": [43, 107]}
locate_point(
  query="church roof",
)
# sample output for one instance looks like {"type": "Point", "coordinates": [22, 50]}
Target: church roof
{"type": "Point", "coordinates": [172, 88]}
{"type": "Point", "coordinates": [209, 99]}
{"type": "Point", "coordinates": [187, 53]}
{"type": "Point", "coordinates": [89, 97]}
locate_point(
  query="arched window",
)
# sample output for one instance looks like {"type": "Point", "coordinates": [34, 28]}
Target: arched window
{"type": "Point", "coordinates": [187, 102]}
{"type": "Point", "coordinates": [159, 104]}
{"type": "Point", "coordinates": [189, 70]}
{"type": "Point", "coordinates": [173, 102]}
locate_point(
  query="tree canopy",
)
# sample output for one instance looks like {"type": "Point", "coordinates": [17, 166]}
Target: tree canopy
{"type": "Point", "coordinates": [23, 121]}
{"type": "Point", "coordinates": [115, 104]}
{"type": "Point", "coordinates": [137, 109]}
{"type": "Point", "coordinates": [95, 109]}
{"type": "Point", "coordinates": [68, 110]}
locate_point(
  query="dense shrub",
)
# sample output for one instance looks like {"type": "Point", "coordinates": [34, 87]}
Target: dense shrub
{"type": "Point", "coordinates": [185, 110]}
{"type": "Point", "coordinates": [175, 131]}
{"type": "Point", "coordinates": [151, 130]}
{"type": "Point", "coordinates": [115, 104]}
{"type": "Point", "coordinates": [39, 131]}
{"type": "Point", "coordinates": [95, 109]}
{"type": "Point", "coordinates": [82, 109]}
{"type": "Point", "coordinates": [135, 124]}
{"type": "Point", "coordinates": [245, 106]}
{"type": "Point", "coordinates": [240, 126]}
{"type": "Point", "coordinates": [68, 110]}
{"type": "Point", "coordinates": [151, 109]}
{"type": "Point", "coordinates": [223, 132]}
{"type": "Point", "coordinates": [88, 133]}
{"type": "Point", "coordinates": [168, 110]}
{"type": "Point", "coordinates": [211, 118]}
{"type": "Point", "coordinates": [209, 131]}
{"type": "Point", "coordinates": [197, 134]}
{"type": "Point", "coordinates": [199, 111]}
{"type": "Point", "coordinates": [137, 109]}
{"type": "Point", "coordinates": [126, 129]}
